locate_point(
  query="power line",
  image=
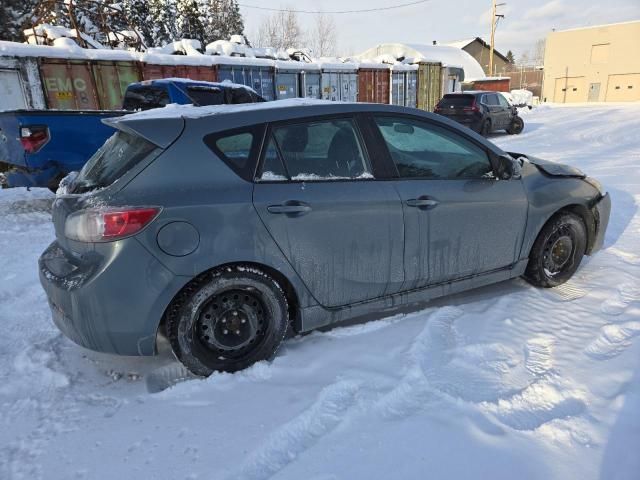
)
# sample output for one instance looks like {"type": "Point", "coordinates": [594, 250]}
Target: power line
{"type": "Point", "coordinates": [392, 7]}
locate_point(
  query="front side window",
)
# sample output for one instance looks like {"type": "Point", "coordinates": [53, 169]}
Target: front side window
{"type": "Point", "coordinates": [320, 150]}
{"type": "Point", "coordinates": [423, 150]}
{"type": "Point", "coordinates": [490, 99]}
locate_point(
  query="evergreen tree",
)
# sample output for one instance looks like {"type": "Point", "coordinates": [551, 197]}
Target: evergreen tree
{"type": "Point", "coordinates": [188, 23]}
{"type": "Point", "coordinates": [15, 16]}
{"type": "Point", "coordinates": [162, 14]}
{"type": "Point", "coordinates": [510, 58]}
{"type": "Point", "coordinates": [139, 17]}
{"type": "Point", "coordinates": [220, 19]}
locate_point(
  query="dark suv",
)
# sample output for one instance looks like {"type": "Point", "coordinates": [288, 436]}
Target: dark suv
{"type": "Point", "coordinates": [483, 112]}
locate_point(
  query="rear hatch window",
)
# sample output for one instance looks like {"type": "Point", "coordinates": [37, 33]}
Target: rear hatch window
{"type": "Point", "coordinates": [145, 98]}
{"type": "Point", "coordinates": [203, 96]}
{"type": "Point", "coordinates": [457, 101]}
{"type": "Point", "coordinates": [118, 155]}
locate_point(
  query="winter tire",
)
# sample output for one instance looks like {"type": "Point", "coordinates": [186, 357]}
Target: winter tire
{"type": "Point", "coordinates": [557, 252]}
{"type": "Point", "coordinates": [227, 320]}
{"type": "Point", "coordinates": [516, 127]}
{"type": "Point", "coordinates": [485, 129]}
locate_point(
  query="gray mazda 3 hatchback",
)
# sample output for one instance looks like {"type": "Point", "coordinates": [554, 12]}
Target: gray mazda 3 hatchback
{"type": "Point", "coordinates": [225, 227]}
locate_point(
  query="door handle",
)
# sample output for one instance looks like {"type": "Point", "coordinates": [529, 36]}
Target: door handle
{"type": "Point", "coordinates": [422, 202]}
{"type": "Point", "coordinates": [290, 208]}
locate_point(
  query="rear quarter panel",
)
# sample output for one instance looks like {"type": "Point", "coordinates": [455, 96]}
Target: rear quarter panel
{"type": "Point", "coordinates": [194, 186]}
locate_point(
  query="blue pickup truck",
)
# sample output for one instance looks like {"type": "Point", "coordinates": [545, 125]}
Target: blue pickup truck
{"type": "Point", "coordinates": [40, 147]}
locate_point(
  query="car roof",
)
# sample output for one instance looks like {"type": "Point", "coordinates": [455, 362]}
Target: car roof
{"type": "Point", "coordinates": [162, 126]}
{"type": "Point", "coordinates": [189, 82]}
{"type": "Point", "coordinates": [470, 92]}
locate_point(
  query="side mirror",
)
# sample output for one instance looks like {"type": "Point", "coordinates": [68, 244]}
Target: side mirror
{"type": "Point", "coordinates": [506, 168]}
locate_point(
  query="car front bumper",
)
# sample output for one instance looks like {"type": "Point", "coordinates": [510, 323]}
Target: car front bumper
{"type": "Point", "coordinates": [109, 301]}
{"type": "Point", "coordinates": [601, 213]}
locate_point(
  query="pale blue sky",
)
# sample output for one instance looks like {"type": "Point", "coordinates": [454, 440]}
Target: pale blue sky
{"type": "Point", "coordinates": [447, 20]}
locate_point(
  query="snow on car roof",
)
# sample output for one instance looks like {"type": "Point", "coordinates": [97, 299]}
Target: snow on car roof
{"type": "Point", "coordinates": [190, 111]}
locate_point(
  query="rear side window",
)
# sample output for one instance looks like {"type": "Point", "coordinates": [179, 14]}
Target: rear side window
{"type": "Point", "coordinates": [491, 99]}
{"type": "Point", "coordinates": [203, 96]}
{"type": "Point", "coordinates": [457, 100]}
{"type": "Point", "coordinates": [320, 150]}
{"type": "Point", "coordinates": [145, 98]}
{"type": "Point", "coordinates": [117, 156]}
{"type": "Point", "coordinates": [237, 149]}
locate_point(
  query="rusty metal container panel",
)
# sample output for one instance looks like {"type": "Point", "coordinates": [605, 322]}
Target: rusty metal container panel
{"type": "Point", "coordinates": [429, 85]}
{"type": "Point", "coordinates": [373, 85]}
{"type": "Point", "coordinates": [383, 79]}
{"type": "Point", "coordinates": [68, 84]}
{"type": "Point", "coordinates": [112, 80]}
{"type": "Point", "coordinates": [366, 87]}
{"type": "Point", "coordinates": [156, 72]}
{"type": "Point", "coordinates": [494, 85]}
{"type": "Point", "coordinates": [200, 73]}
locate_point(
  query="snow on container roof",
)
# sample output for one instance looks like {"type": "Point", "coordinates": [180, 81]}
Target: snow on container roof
{"type": "Point", "coordinates": [448, 56]}
{"type": "Point", "coordinates": [294, 65]}
{"type": "Point", "coordinates": [72, 52]}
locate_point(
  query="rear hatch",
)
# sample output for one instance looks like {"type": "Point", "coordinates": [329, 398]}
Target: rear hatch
{"type": "Point", "coordinates": [457, 107]}
{"type": "Point", "coordinates": [11, 150]}
{"type": "Point", "coordinates": [123, 156]}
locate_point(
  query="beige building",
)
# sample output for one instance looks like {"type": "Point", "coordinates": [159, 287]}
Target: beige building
{"type": "Point", "coordinates": [593, 64]}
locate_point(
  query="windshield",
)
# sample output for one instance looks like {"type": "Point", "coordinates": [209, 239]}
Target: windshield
{"type": "Point", "coordinates": [118, 155]}
{"type": "Point", "coordinates": [457, 100]}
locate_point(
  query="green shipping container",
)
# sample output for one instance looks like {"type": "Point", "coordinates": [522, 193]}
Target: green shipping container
{"type": "Point", "coordinates": [68, 84]}
{"type": "Point", "coordinates": [429, 85]}
{"type": "Point", "coordinates": [112, 79]}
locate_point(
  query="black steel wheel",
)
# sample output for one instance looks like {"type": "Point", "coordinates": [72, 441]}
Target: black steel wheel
{"type": "Point", "coordinates": [227, 320]}
{"type": "Point", "coordinates": [516, 127]}
{"type": "Point", "coordinates": [557, 252]}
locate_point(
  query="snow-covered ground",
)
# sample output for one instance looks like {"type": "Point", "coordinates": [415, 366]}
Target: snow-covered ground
{"type": "Point", "coordinates": [503, 382]}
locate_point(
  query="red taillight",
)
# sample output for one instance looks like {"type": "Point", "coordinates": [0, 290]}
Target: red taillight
{"type": "Point", "coordinates": [109, 224]}
{"type": "Point", "coordinates": [34, 138]}
{"type": "Point", "coordinates": [473, 108]}
{"type": "Point", "coordinates": [126, 222]}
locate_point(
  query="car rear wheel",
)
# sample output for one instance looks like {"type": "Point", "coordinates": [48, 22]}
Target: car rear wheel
{"type": "Point", "coordinates": [516, 127]}
{"type": "Point", "coordinates": [227, 320]}
{"type": "Point", "coordinates": [557, 252]}
{"type": "Point", "coordinates": [485, 128]}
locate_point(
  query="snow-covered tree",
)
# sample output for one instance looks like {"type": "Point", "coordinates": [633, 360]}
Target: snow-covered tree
{"type": "Point", "coordinates": [188, 20]}
{"type": "Point", "coordinates": [139, 16]}
{"type": "Point", "coordinates": [15, 16]}
{"type": "Point", "coordinates": [163, 18]}
{"type": "Point", "coordinates": [220, 19]}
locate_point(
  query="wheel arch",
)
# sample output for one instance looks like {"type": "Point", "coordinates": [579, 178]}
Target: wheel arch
{"type": "Point", "coordinates": [286, 285]}
{"type": "Point", "coordinates": [583, 212]}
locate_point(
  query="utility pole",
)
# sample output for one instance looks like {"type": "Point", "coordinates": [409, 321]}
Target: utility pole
{"type": "Point", "coordinates": [495, 16]}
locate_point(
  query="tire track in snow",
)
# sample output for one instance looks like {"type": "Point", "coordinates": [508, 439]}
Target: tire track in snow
{"type": "Point", "coordinates": [287, 443]}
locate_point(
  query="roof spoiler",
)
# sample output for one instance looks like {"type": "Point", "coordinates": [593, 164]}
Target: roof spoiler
{"type": "Point", "coordinates": [159, 131]}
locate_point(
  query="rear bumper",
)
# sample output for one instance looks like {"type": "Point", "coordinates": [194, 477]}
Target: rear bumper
{"type": "Point", "coordinates": [601, 213]}
{"type": "Point", "coordinates": [111, 302]}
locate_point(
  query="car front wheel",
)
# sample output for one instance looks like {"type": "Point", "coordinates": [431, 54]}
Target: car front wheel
{"type": "Point", "coordinates": [516, 127]}
{"type": "Point", "coordinates": [227, 320]}
{"type": "Point", "coordinates": [557, 252]}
